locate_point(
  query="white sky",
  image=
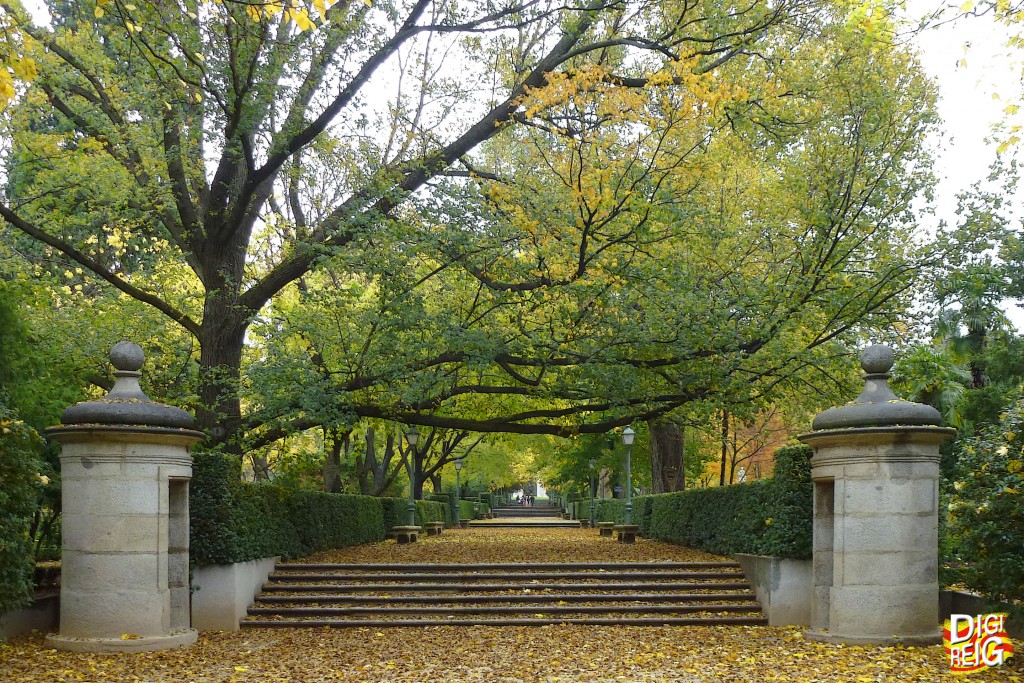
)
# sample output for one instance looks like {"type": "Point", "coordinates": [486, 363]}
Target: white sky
{"type": "Point", "coordinates": [973, 94]}
{"type": "Point", "coordinates": [973, 98]}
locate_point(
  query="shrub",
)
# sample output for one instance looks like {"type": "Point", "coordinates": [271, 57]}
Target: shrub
{"type": "Point", "coordinates": [235, 521]}
{"type": "Point", "coordinates": [767, 517]}
{"type": "Point", "coordinates": [432, 511]}
{"type": "Point", "coordinates": [987, 508]}
{"type": "Point", "coordinates": [467, 509]}
{"type": "Point", "coordinates": [19, 469]}
{"type": "Point", "coordinates": [396, 512]}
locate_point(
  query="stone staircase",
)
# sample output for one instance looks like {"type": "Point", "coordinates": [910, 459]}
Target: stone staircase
{"type": "Point", "coordinates": [500, 594]}
{"type": "Point", "coordinates": [527, 516]}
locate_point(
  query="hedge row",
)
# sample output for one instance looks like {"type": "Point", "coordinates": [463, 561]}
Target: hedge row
{"type": "Point", "coordinates": [19, 467]}
{"type": "Point", "coordinates": [235, 521]}
{"type": "Point", "coordinates": [766, 517]}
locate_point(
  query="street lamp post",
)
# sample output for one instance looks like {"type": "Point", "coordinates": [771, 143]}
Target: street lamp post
{"type": "Point", "coordinates": [458, 490]}
{"type": "Point", "coordinates": [593, 463]}
{"type": "Point", "coordinates": [627, 438]}
{"type": "Point", "coordinates": [412, 436]}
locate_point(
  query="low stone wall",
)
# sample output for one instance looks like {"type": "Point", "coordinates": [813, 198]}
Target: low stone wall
{"type": "Point", "coordinates": [222, 593]}
{"type": "Point", "coordinates": [783, 588]}
{"type": "Point", "coordinates": [42, 615]}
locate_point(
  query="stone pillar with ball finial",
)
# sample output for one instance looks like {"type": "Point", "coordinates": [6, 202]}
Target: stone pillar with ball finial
{"type": "Point", "coordinates": [125, 469]}
{"type": "Point", "coordinates": [876, 501]}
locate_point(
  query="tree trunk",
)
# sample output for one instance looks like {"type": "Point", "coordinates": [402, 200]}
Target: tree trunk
{"type": "Point", "coordinates": [977, 340]}
{"type": "Point", "coordinates": [332, 464]}
{"type": "Point", "coordinates": [219, 413]}
{"type": "Point", "coordinates": [667, 445]}
{"type": "Point", "coordinates": [725, 446]}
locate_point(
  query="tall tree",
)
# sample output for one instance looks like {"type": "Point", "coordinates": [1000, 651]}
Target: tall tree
{"type": "Point", "coordinates": [679, 199]}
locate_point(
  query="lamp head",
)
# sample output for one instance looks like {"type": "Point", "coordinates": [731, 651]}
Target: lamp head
{"type": "Point", "coordinates": [628, 435]}
{"type": "Point", "coordinates": [458, 464]}
{"type": "Point", "coordinates": [412, 436]}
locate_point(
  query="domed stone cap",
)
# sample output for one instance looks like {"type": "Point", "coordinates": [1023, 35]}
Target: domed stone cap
{"type": "Point", "coordinates": [125, 404]}
{"type": "Point", "coordinates": [877, 405]}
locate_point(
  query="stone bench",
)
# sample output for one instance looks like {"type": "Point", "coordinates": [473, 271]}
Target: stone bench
{"type": "Point", "coordinates": [406, 534]}
{"type": "Point", "coordinates": [464, 523]}
{"type": "Point", "coordinates": [627, 532]}
{"type": "Point", "coordinates": [585, 523]}
{"type": "Point", "coordinates": [606, 528]}
{"type": "Point", "coordinates": [433, 528]}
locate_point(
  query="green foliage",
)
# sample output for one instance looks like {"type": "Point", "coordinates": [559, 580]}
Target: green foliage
{"type": "Point", "coordinates": [396, 512]}
{"type": "Point", "coordinates": [19, 469]}
{"type": "Point", "coordinates": [467, 509]}
{"type": "Point", "coordinates": [432, 511]}
{"type": "Point", "coordinates": [986, 520]}
{"type": "Point", "coordinates": [235, 521]}
{"type": "Point", "coordinates": [766, 517]}
{"type": "Point", "coordinates": [448, 500]}
{"type": "Point", "coordinates": [213, 493]}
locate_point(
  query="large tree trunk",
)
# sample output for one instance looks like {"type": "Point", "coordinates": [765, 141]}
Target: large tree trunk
{"type": "Point", "coordinates": [221, 340]}
{"type": "Point", "coordinates": [332, 464]}
{"type": "Point", "coordinates": [725, 447]}
{"type": "Point", "coordinates": [667, 447]}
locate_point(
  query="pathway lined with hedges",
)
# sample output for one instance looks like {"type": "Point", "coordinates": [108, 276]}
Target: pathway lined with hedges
{"type": "Point", "coordinates": [549, 654]}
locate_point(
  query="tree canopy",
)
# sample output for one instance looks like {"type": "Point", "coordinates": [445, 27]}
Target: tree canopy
{"type": "Point", "coordinates": [525, 217]}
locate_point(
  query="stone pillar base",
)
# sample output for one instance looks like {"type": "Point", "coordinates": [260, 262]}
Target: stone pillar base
{"type": "Point", "coordinates": [180, 638]}
{"type": "Point", "coordinates": [827, 637]}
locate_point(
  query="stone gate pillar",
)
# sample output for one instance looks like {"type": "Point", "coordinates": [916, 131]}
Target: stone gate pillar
{"type": "Point", "coordinates": [125, 468]}
{"type": "Point", "coordinates": [876, 503]}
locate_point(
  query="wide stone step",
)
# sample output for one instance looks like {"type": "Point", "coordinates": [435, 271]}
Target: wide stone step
{"type": "Point", "coordinates": [527, 512]}
{"type": "Point", "coordinates": [535, 621]}
{"type": "Point", "coordinates": [526, 522]}
{"type": "Point", "coordinates": [504, 594]}
{"type": "Point", "coordinates": [493, 587]}
{"type": "Point", "coordinates": [515, 577]}
{"type": "Point", "coordinates": [537, 610]}
{"type": "Point", "coordinates": [532, 598]}
{"type": "Point", "coordinates": [501, 566]}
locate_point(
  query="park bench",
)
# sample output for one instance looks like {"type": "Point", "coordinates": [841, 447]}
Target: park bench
{"type": "Point", "coordinates": [626, 532]}
{"type": "Point", "coordinates": [406, 534]}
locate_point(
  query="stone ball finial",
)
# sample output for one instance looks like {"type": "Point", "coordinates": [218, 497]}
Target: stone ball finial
{"type": "Point", "coordinates": [127, 356]}
{"type": "Point", "coordinates": [126, 404]}
{"type": "Point", "coordinates": [877, 359]}
{"type": "Point", "coordinates": [877, 405]}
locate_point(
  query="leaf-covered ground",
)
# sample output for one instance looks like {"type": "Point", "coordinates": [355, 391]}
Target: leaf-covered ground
{"type": "Point", "coordinates": [499, 655]}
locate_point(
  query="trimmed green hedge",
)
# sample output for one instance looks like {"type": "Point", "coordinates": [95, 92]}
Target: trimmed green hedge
{"type": "Point", "coordinates": [467, 509]}
{"type": "Point", "coordinates": [396, 512]}
{"type": "Point", "coordinates": [235, 521]}
{"type": "Point", "coordinates": [766, 517]}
